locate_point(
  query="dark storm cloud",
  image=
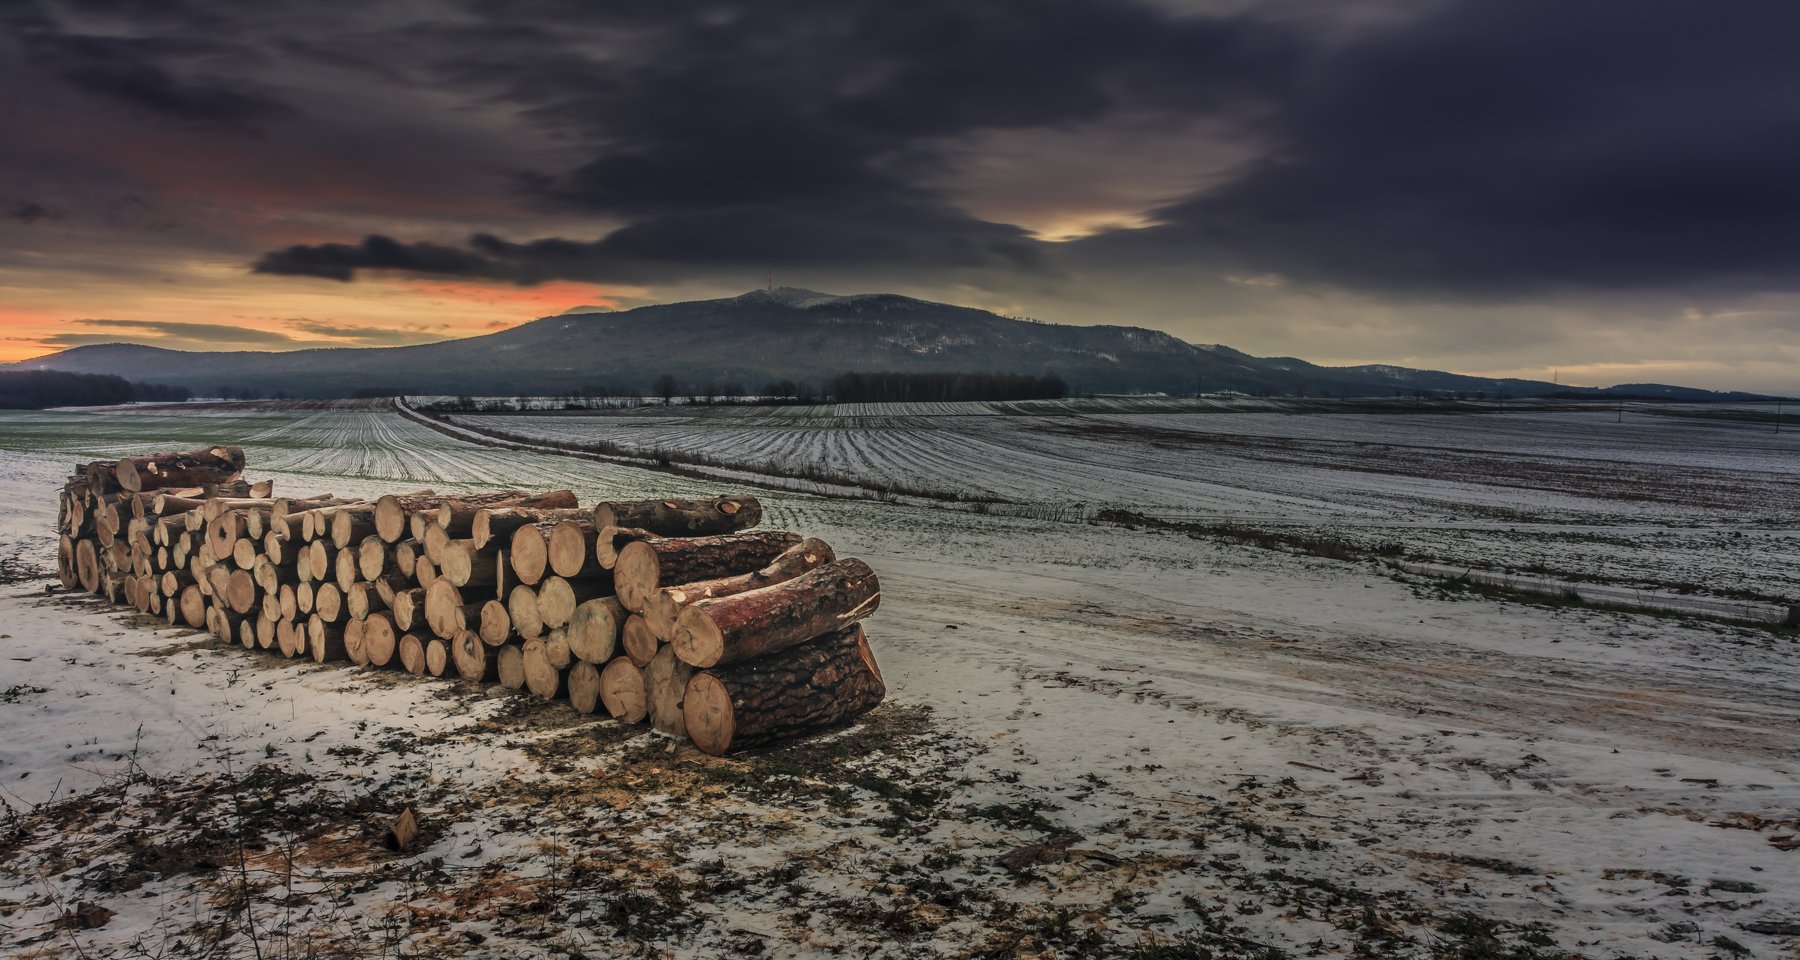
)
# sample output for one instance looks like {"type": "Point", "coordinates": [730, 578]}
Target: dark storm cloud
{"type": "Point", "coordinates": [29, 212]}
{"type": "Point", "coordinates": [665, 248]}
{"type": "Point", "coordinates": [189, 79]}
{"type": "Point", "coordinates": [1468, 149]}
{"type": "Point", "coordinates": [1500, 147]}
{"type": "Point", "coordinates": [340, 261]}
{"type": "Point", "coordinates": [796, 134]}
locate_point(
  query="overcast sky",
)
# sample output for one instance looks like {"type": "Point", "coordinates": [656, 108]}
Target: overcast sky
{"type": "Point", "coordinates": [1606, 189]}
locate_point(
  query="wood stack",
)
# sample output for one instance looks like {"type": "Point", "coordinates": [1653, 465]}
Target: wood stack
{"type": "Point", "coordinates": [671, 612]}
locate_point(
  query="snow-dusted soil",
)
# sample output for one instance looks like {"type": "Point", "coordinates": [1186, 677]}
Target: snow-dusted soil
{"type": "Point", "coordinates": [1098, 742]}
{"type": "Point", "coordinates": [1648, 500]}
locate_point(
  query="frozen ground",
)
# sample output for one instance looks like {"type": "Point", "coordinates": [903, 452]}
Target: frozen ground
{"type": "Point", "coordinates": [1654, 499]}
{"type": "Point", "coordinates": [1099, 742]}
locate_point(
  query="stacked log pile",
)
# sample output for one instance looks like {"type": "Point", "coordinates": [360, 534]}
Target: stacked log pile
{"type": "Point", "coordinates": [682, 614]}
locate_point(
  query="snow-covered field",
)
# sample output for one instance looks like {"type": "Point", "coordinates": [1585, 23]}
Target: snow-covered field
{"type": "Point", "coordinates": [1099, 741]}
{"type": "Point", "coordinates": [1647, 500]}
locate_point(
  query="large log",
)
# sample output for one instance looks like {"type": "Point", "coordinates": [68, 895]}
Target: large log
{"type": "Point", "coordinates": [681, 518]}
{"type": "Point", "coordinates": [666, 604]}
{"type": "Point", "coordinates": [826, 682]}
{"type": "Point", "coordinates": [240, 591]}
{"type": "Point", "coordinates": [522, 609]}
{"type": "Point", "coordinates": [757, 622]}
{"type": "Point", "coordinates": [380, 639]}
{"type": "Point", "coordinates": [412, 654]}
{"type": "Point", "coordinates": [392, 511]}
{"type": "Point", "coordinates": [557, 599]}
{"type": "Point", "coordinates": [437, 656]}
{"type": "Point", "coordinates": [183, 469]}
{"type": "Point", "coordinates": [409, 608]}
{"type": "Point", "coordinates": [457, 515]}
{"type": "Point", "coordinates": [509, 663]}
{"type": "Point", "coordinates": [593, 630]}
{"type": "Point", "coordinates": [353, 643]}
{"type": "Point", "coordinates": [473, 660]}
{"type": "Point", "coordinates": [666, 680]}
{"type": "Point", "coordinates": [622, 691]}
{"type": "Point", "coordinates": [193, 606]}
{"type": "Point", "coordinates": [445, 612]}
{"type": "Point", "coordinates": [344, 570]}
{"type": "Point", "coordinates": [608, 541]}
{"type": "Point", "coordinates": [349, 525]}
{"type": "Point", "coordinates": [528, 552]}
{"type": "Point", "coordinates": [406, 553]}
{"type": "Point", "coordinates": [462, 564]}
{"type": "Point", "coordinates": [223, 531]}
{"type": "Point", "coordinates": [542, 677]}
{"type": "Point", "coordinates": [646, 565]}
{"type": "Point", "coordinates": [498, 522]}
{"type": "Point", "coordinates": [325, 640]}
{"type": "Point", "coordinates": [374, 557]}
{"type": "Point", "coordinates": [637, 640]}
{"type": "Point", "coordinates": [571, 547]}
{"type": "Point", "coordinates": [584, 686]}
{"type": "Point", "coordinates": [496, 623]}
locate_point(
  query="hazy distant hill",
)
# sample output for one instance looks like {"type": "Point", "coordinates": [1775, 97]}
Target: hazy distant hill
{"type": "Point", "coordinates": [769, 335]}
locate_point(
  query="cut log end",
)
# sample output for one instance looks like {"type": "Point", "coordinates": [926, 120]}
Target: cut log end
{"type": "Point", "coordinates": [622, 691]}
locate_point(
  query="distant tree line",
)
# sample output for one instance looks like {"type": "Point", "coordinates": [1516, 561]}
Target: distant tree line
{"type": "Point", "coordinates": [937, 387]}
{"type": "Point", "coordinates": [37, 389]}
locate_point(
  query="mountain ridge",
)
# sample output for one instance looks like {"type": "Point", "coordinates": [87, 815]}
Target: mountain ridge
{"type": "Point", "coordinates": [784, 333]}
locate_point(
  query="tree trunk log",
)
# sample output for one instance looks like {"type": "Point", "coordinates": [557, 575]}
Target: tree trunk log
{"type": "Point", "coordinates": [380, 640]}
{"type": "Point", "coordinates": [409, 608]}
{"type": "Point", "coordinates": [608, 541]}
{"type": "Point", "coordinates": [437, 656]}
{"type": "Point", "coordinates": [824, 683]}
{"type": "Point", "coordinates": [393, 510]}
{"type": "Point", "coordinates": [496, 623]}
{"type": "Point", "coordinates": [622, 691]}
{"type": "Point", "coordinates": [462, 564]}
{"type": "Point", "coordinates": [542, 677]}
{"type": "Point", "coordinates": [353, 643]}
{"type": "Point", "coordinates": [666, 604]}
{"type": "Point", "coordinates": [499, 522]}
{"type": "Point", "coordinates": [510, 664]}
{"type": "Point", "coordinates": [594, 629]}
{"type": "Point", "coordinates": [193, 606]}
{"type": "Point", "coordinates": [349, 525]}
{"type": "Point", "coordinates": [584, 687]}
{"type": "Point", "coordinates": [412, 654]}
{"type": "Point", "coordinates": [681, 518]}
{"type": "Point", "coordinates": [666, 680]}
{"type": "Point", "coordinates": [758, 622]}
{"type": "Point", "coordinates": [328, 603]}
{"type": "Point", "coordinates": [374, 557]}
{"type": "Point", "coordinates": [185, 469]}
{"type": "Point", "coordinates": [557, 598]}
{"type": "Point", "coordinates": [344, 570]}
{"type": "Point", "coordinates": [457, 514]}
{"type": "Point", "coordinates": [522, 608]}
{"type": "Point", "coordinates": [639, 643]}
{"type": "Point", "coordinates": [571, 547]}
{"type": "Point", "coordinates": [442, 600]}
{"type": "Point", "coordinates": [645, 565]}
{"type": "Point", "coordinates": [326, 640]}
{"type": "Point", "coordinates": [474, 661]}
